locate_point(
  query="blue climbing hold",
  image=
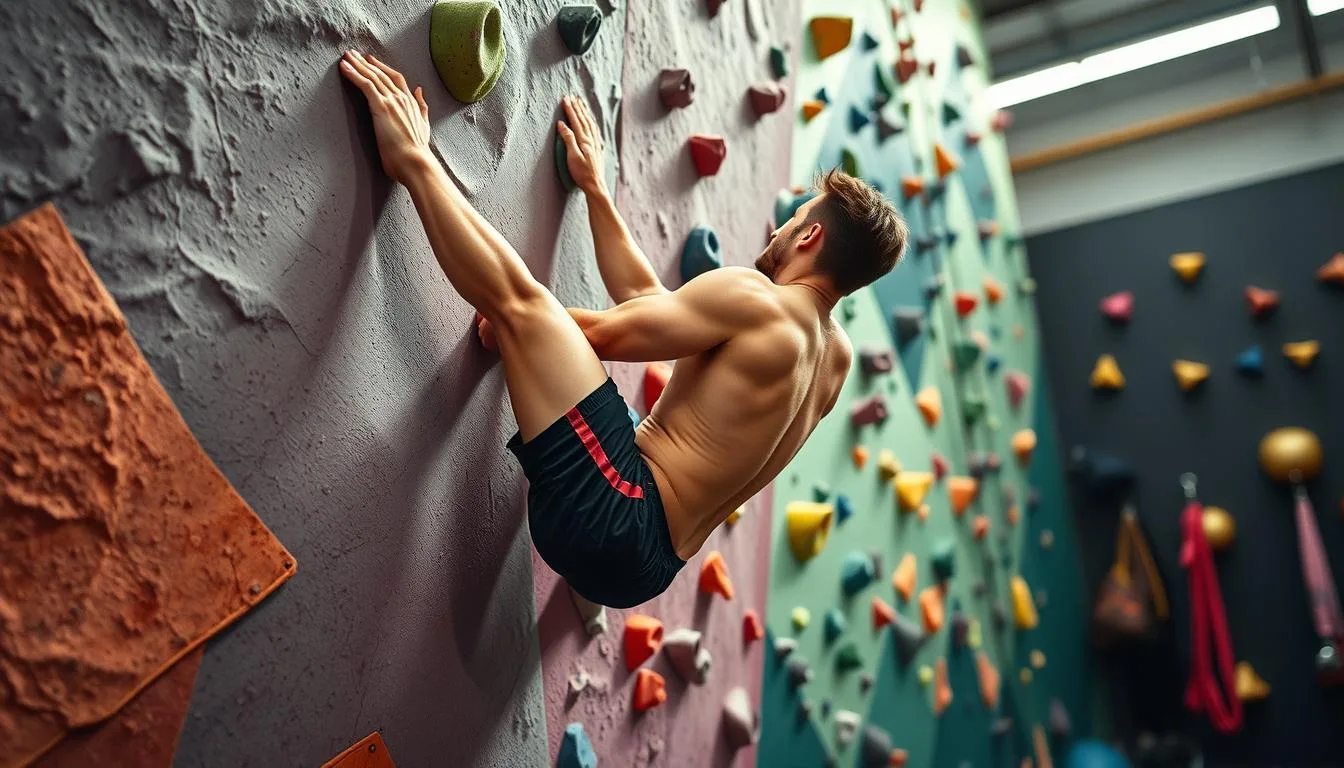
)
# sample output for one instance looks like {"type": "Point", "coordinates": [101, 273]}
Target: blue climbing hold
{"type": "Point", "coordinates": [700, 254]}
{"type": "Point", "coordinates": [843, 509]}
{"type": "Point", "coordinates": [1089, 753]}
{"type": "Point", "coordinates": [822, 96]}
{"type": "Point", "coordinates": [856, 572]}
{"type": "Point", "coordinates": [1251, 361]}
{"type": "Point", "coordinates": [634, 415]}
{"type": "Point", "coordinates": [575, 749]}
{"type": "Point", "coordinates": [992, 363]}
{"type": "Point", "coordinates": [833, 625]}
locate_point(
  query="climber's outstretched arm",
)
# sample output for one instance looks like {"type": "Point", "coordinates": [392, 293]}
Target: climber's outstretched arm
{"type": "Point", "coordinates": [625, 270]}
{"type": "Point", "coordinates": [704, 313]}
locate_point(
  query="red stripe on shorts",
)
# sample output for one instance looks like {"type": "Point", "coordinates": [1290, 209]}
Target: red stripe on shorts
{"type": "Point", "coordinates": [589, 441]}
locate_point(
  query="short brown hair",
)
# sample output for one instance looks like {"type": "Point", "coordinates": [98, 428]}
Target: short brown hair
{"type": "Point", "coordinates": [864, 233]}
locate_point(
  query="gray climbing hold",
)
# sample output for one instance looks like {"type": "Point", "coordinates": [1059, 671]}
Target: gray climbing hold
{"type": "Point", "coordinates": [933, 287]}
{"type": "Point", "coordinates": [766, 98]}
{"type": "Point", "coordinates": [999, 616]}
{"type": "Point", "coordinates": [976, 464]}
{"type": "Point", "coordinates": [675, 88]}
{"type": "Point", "coordinates": [875, 556]}
{"type": "Point", "coordinates": [846, 725]}
{"type": "Point", "coordinates": [741, 725]}
{"type": "Point", "coordinates": [833, 625]}
{"type": "Point", "coordinates": [875, 747]}
{"type": "Point", "coordinates": [804, 710]}
{"type": "Point", "coordinates": [562, 164]}
{"type": "Point", "coordinates": [886, 128]}
{"type": "Point", "coordinates": [593, 615]}
{"type": "Point", "coordinates": [784, 646]}
{"type": "Point", "coordinates": [1001, 726]}
{"type": "Point", "coordinates": [907, 637]}
{"type": "Point", "coordinates": [466, 43]}
{"type": "Point", "coordinates": [700, 254]}
{"type": "Point", "coordinates": [1060, 723]}
{"type": "Point", "coordinates": [799, 671]}
{"type": "Point", "coordinates": [876, 360]}
{"type": "Point", "coordinates": [908, 322]}
{"type": "Point", "coordinates": [688, 657]}
{"type": "Point", "coordinates": [865, 683]}
{"type": "Point", "coordinates": [578, 26]}
{"type": "Point", "coordinates": [964, 58]}
{"type": "Point", "coordinates": [576, 751]}
{"type": "Point", "coordinates": [856, 572]}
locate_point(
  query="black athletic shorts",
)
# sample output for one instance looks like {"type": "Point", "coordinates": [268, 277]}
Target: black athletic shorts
{"type": "Point", "coordinates": [593, 506]}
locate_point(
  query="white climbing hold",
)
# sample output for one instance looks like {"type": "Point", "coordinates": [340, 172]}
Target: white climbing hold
{"type": "Point", "coordinates": [846, 725]}
{"type": "Point", "coordinates": [741, 725]}
{"type": "Point", "coordinates": [594, 616]}
{"type": "Point", "coordinates": [689, 658]}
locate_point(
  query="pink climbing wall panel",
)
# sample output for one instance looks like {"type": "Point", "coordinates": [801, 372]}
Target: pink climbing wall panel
{"type": "Point", "coordinates": [662, 198]}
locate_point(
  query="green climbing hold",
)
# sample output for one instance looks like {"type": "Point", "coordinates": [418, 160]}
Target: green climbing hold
{"type": "Point", "coordinates": [821, 492]}
{"type": "Point", "coordinates": [950, 114]}
{"type": "Point", "coordinates": [833, 625]}
{"type": "Point", "coordinates": [943, 559]}
{"type": "Point", "coordinates": [466, 42]}
{"type": "Point", "coordinates": [578, 25]}
{"type": "Point", "coordinates": [964, 355]}
{"type": "Point", "coordinates": [849, 162]}
{"type": "Point", "coordinates": [847, 658]}
{"type": "Point", "coordinates": [779, 61]}
{"type": "Point", "coordinates": [972, 408]}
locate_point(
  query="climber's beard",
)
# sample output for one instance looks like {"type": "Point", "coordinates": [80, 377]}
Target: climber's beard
{"type": "Point", "coordinates": [776, 252]}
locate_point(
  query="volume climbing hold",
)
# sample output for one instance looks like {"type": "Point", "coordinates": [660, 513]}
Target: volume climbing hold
{"type": "Point", "coordinates": [832, 625]}
{"type": "Point", "coordinates": [930, 404]}
{"type": "Point", "coordinates": [656, 376]}
{"type": "Point", "coordinates": [1332, 271]}
{"type": "Point", "coordinates": [811, 108]}
{"type": "Point", "coordinates": [707, 153]}
{"type": "Point", "coordinates": [908, 323]}
{"type": "Point", "coordinates": [766, 98]}
{"type": "Point", "coordinates": [751, 628]}
{"type": "Point", "coordinates": [887, 465]}
{"type": "Point", "coordinates": [1302, 353]}
{"type": "Point", "coordinates": [849, 162]}
{"type": "Point", "coordinates": [1018, 385]}
{"type": "Point", "coordinates": [466, 43]}
{"type": "Point", "coordinates": [779, 62]}
{"type": "Point", "coordinates": [859, 454]}
{"type": "Point", "coordinates": [944, 160]}
{"type": "Point", "coordinates": [912, 488]}
{"type": "Point", "coordinates": [1261, 301]}
{"type": "Point", "coordinates": [1024, 608]}
{"type": "Point", "coordinates": [578, 26]}
{"type": "Point", "coordinates": [882, 612]}
{"type": "Point", "coordinates": [576, 751]}
{"type": "Point", "coordinates": [650, 689]}
{"type": "Point", "coordinates": [643, 635]}
{"type": "Point", "coordinates": [904, 578]}
{"type": "Point", "coordinates": [869, 410]}
{"type": "Point", "coordinates": [1250, 686]}
{"type": "Point", "coordinates": [798, 670]}
{"type": "Point", "coordinates": [856, 572]}
{"type": "Point", "coordinates": [594, 616]}
{"type": "Point", "coordinates": [938, 463]}
{"type": "Point", "coordinates": [964, 56]}
{"type": "Point", "coordinates": [965, 354]}
{"type": "Point", "coordinates": [989, 680]}
{"type": "Point", "coordinates": [1118, 307]}
{"type": "Point", "coordinates": [965, 303]}
{"type": "Point", "coordinates": [1060, 722]}
{"type": "Point", "coordinates": [1106, 374]}
{"type": "Point", "coordinates": [1024, 442]}
{"type": "Point", "coordinates": [800, 617]}
{"type": "Point", "coordinates": [714, 576]}
{"type": "Point", "coordinates": [700, 254]}
{"type": "Point", "coordinates": [809, 526]}
{"type": "Point", "coordinates": [1251, 361]}
{"type": "Point", "coordinates": [741, 726]}
{"type": "Point", "coordinates": [843, 509]}
{"type": "Point", "coordinates": [830, 34]}
{"type": "Point", "coordinates": [875, 360]}
{"type": "Point", "coordinates": [1187, 265]}
{"type": "Point", "coordinates": [1189, 374]}
{"type": "Point", "coordinates": [846, 725]}
{"type": "Point", "coordinates": [942, 689]}
{"type": "Point", "coordinates": [931, 608]}
{"type": "Point", "coordinates": [962, 490]}
{"type": "Point", "coordinates": [687, 655]}
{"type": "Point", "coordinates": [675, 88]}
{"type": "Point", "coordinates": [857, 119]}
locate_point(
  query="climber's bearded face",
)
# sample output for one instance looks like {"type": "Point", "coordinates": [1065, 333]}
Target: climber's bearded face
{"type": "Point", "coordinates": [777, 251]}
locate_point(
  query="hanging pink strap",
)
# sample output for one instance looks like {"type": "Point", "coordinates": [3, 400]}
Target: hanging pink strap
{"type": "Point", "coordinates": [1208, 621]}
{"type": "Point", "coordinates": [1325, 613]}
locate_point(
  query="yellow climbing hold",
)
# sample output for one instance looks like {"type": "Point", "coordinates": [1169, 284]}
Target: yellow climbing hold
{"type": "Point", "coordinates": [1250, 685]}
{"type": "Point", "coordinates": [1187, 265]}
{"type": "Point", "coordinates": [1189, 374]}
{"type": "Point", "coordinates": [911, 488]}
{"type": "Point", "coordinates": [974, 636]}
{"type": "Point", "coordinates": [809, 526]}
{"type": "Point", "coordinates": [888, 466]}
{"type": "Point", "coordinates": [925, 674]}
{"type": "Point", "coordinates": [1302, 353]}
{"type": "Point", "coordinates": [830, 34]}
{"type": "Point", "coordinates": [1025, 676]}
{"type": "Point", "coordinates": [1024, 608]}
{"type": "Point", "coordinates": [801, 618]}
{"type": "Point", "coordinates": [1024, 442]}
{"type": "Point", "coordinates": [735, 515]}
{"type": "Point", "coordinates": [1106, 374]}
{"type": "Point", "coordinates": [962, 490]}
{"type": "Point", "coordinates": [1037, 658]}
{"type": "Point", "coordinates": [930, 405]}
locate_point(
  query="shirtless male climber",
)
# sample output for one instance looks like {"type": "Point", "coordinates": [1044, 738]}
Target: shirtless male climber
{"type": "Point", "coordinates": [613, 509]}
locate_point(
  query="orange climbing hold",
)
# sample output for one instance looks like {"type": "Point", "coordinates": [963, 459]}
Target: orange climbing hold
{"type": "Point", "coordinates": [980, 527]}
{"type": "Point", "coordinates": [923, 512]}
{"type": "Point", "coordinates": [883, 613]}
{"type": "Point", "coordinates": [965, 302]}
{"type": "Point", "coordinates": [942, 689]}
{"type": "Point", "coordinates": [989, 681]}
{"type": "Point", "coordinates": [714, 576]}
{"type": "Point", "coordinates": [1187, 265]}
{"type": "Point", "coordinates": [944, 160]}
{"type": "Point", "coordinates": [904, 578]}
{"type": "Point", "coordinates": [650, 689]}
{"type": "Point", "coordinates": [1332, 271]}
{"type": "Point", "coordinates": [860, 456]}
{"type": "Point", "coordinates": [1261, 301]}
{"type": "Point", "coordinates": [751, 628]}
{"type": "Point", "coordinates": [1013, 514]}
{"type": "Point", "coordinates": [911, 488]}
{"type": "Point", "coordinates": [931, 608]}
{"type": "Point", "coordinates": [993, 290]}
{"type": "Point", "coordinates": [912, 186]}
{"type": "Point", "coordinates": [1024, 443]}
{"type": "Point", "coordinates": [812, 108]}
{"type": "Point", "coordinates": [930, 404]}
{"type": "Point", "coordinates": [643, 636]}
{"type": "Point", "coordinates": [962, 490]}
{"type": "Point", "coordinates": [655, 381]}
{"type": "Point", "coordinates": [830, 34]}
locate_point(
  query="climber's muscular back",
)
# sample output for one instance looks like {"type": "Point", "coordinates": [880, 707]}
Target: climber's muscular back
{"type": "Point", "coordinates": [732, 417]}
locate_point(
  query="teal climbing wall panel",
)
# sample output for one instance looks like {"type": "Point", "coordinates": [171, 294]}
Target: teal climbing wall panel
{"type": "Point", "coordinates": [962, 235]}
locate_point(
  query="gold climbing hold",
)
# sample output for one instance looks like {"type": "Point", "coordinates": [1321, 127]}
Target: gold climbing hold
{"type": "Point", "coordinates": [809, 526]}
{"type": "Point", "coordinates": [1250, 685]}
{"type": "Point", "coordinates": [1302, 353]}
{"type": "Point", "coordinates": [1106, 374]}
{"type": "Point", "coordinates": [911, 488]}
{"type": "Point", "coordinates": [1189, 374]}
{"type": "Point", "coordinates": [1024, 608]}
{"type": "Point", "coordinates": [1188, 265]}
{"type": "Point", "coordinates": [736, 515]}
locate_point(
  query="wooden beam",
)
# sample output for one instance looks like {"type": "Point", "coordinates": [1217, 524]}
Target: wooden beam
{"type": "Point", "coordinates": [1180, 121]}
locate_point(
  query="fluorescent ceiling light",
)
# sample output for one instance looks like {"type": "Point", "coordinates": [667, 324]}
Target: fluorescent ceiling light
{"type": "Point", "coordinates": [1322, 7]}
{"type": "Point", "coordinates": [1144, 53]}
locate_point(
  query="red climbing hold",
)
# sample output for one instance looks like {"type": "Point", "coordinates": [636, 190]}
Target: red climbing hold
{"type": "Point", "coordinates": [707, 152]}
{"type": "Point", "coordinates": [972, 138]}
{"type": "Point", "coordinates": [650, 690]}
{"type": "Point", "coordinates": [939, 465]}
{"type": "Point", "coordinates": [905, 69]}
{"type": "Point", "coordinates": [883, 613]}
{"type": "Point", "coordinates": [1118, 307]}
{"type": "Point", "coordinates": [643, 636]}
{"type": "Point", "coordinates": [966, 303]}
{"type": "Point", "coordinates": [712, 7]}
{"type": "Point", "coordinates": [751, 628]}
{"type": "Point", "coordinates": [1262, 301]}
{"type": "Point", "coordinates": [655, 381]}
{"type": "Point", "coordinates": [714, 577]}
{"type": "Point", "coordinates": [1017, 384]}
{"type": "Point", "coordinates": [766, 98]}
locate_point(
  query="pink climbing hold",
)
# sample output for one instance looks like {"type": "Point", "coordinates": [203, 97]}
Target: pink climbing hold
{"type": "Point", "coordinates": [939, 465]}
{"type": "Point", "coordinates": [655, 381]}
{"type": "Point", "coordinates": [766, 98]}
{"type": "Point", "coordinates": [870, 410]}
{"type": "Point", "coordinates": [1001, 121]}
{"type": "Point", "coordinates": [707, 152]}
{"type": "Point", "coordinates": [1018, 385]}
{"type": "Point", "coordinates": [1118, 307]}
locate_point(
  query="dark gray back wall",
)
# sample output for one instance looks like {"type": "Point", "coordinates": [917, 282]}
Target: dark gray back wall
{"type": "Point", "coordinates": [1274, 235]}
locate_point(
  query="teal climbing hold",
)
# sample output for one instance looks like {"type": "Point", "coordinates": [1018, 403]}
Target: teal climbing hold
{"type": "Point", "coordinates": [935, 191]}
{"type": "Point", "coordinates": [857, 120]}
{"type": "Point", "coordinates": [943, 559]}
{"type": "Point", "coordinates": [700, 254]}
{"type": "Point", "coordinates": [822, 96]}
{"type": "Point", "coordinates": [868, 42]}
{"type": "Point", "coordinates": [466, 43]}
{"type": "Point", "coordinates": [843, 508]}
{"type": "Point", "coordinates": [965, 354]}
{"type": "Point", "coordinates": [908, 322]}
{"type": "Point", "coordinates": [847, 658]}
{"type": "Point", "coordinates": [576, 751]}
{"type": "Point", "coordinates": [880, 83]}
{"type": "Point", "coordinates": [847, 308]}
{"type": "Point", "coordinates": [856, 572]}
{"type": "Point", "coordinates": [779, 62]}
{"type": "Point", "coordinates": [849, 162]}
{"type": "Point", "coordinates": [578, 25]}
{"type": "Point", "coordinates": [562, 164]}
{"type": "Point", "coordinates": [833, 625]}
{"type": "Point", "coordinates": [950, 237]}
{"type": "Point", "coordinates": [821, 492]}
{"type": "Point", "coordinates": [787, 204]}
{"type": "Point", "coordinates": [1251, 361]}
{"type": "Point", "coordinates": [950, 114]}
